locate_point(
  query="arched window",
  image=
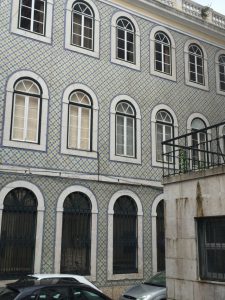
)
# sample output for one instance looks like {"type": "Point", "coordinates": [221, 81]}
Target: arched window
{"type": "Point", "coordinates": [125, 40]}
{"type": "Point", "coordinates": [164, 131]}
{"type": "Point", "coordinates": [82, 25]}
{"type": "Point", "coordinates": [18, 233]}
{"type": "Point", "coordinates": [222, 72]}
{"type": "Point", "coordinates": [80, 121]}
{"type": "Point", "coordinates": [162, 53]}
{"type": "Point", "coordinates": [199, 143]}
{"type": "Point", "coordinates": [76, 235]}
{"type": "Point", "coordinates": [125, 236]}
{"type": "Point", "coordinates": [196, 64]}
{"type": "Point", "coordinates": [32, 15]}
{"type": "Point", "coordinates": [125, 129]}
{"type": "Point", "coordinates": [26, 111]}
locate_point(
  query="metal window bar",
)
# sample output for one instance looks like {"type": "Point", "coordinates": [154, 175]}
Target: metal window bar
{"type": "Point", "coordinates": [189, 153]}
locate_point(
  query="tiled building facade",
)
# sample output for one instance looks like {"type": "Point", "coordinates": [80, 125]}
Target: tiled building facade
{"type": "Point", "coordinates": [49, 66]}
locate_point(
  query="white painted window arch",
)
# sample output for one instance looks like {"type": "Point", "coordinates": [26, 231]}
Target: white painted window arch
{"type": "Point", "coordinates": [125, 40]}
{"type": "Point", "coordinates": [33, 19]}
{"type": "Point", "coordinates": [155, 203]}
{"type": "Point", "coordinates": [220, 72]}
{"type": "Point", "coordinates": [40, 215]}
{"type": "Point", "coordinates": [196, 65]}
{"type": "Point", "coordinates": [134, 117]}
{"type": "Point", "coordinates": [166, 54]}
{"type": "Point", "coordinates": [161, 108]}
{"type": "Point", "coordinates": [139, 274]}
{"type": "Point", "coordinates": [35, 108]}
{"type": "Point", "coordinates": [82, 27]}
{"type": "Point", "coordinates": [87, 110]}
{"type": "Point", "coordinates": [59, 220]}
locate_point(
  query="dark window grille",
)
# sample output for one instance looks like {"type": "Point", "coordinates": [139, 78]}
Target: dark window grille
{"type": "Point", "coordinates": [211, 247]}
{"type": "Point", "coordinates": [125, 236]}
{"type": "Point", "coordinates": [160, 227]}
{"type": "Point", "coordinates": [76, 235]}
{"type": "Point", "coordinates": [18, 233]}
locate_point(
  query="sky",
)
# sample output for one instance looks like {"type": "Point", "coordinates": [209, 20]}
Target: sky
{"type": "Point", "coordinates": [217, 5]}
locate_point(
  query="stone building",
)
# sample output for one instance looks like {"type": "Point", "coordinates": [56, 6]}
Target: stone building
{"type": "Point", "coordinates": [89, 90]}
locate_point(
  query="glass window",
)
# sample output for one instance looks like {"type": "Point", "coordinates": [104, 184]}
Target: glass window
{"type": "Point", "coordinates": [211, 248]}
{"type": "Point", "coordinates": [26, 111]}
{"type": "Point", "coordinates": [32, 15]}
{"type": "Point", "coordinates": [162, 53]}
{"type": "Point", "coordinates": [199, 144]}
{"type": "Point", "coordinates": [76, 235]}
{"type": "Point", "coordinates": [125, 129]}
{"type": "Point", "coordinates": [125, 40]}
{"type": "Point", "coordinates": [222, 72]}
{"type": "Point", "coordinates": [82, 294]}
{"type": "Point", "coordinates": [80, 121]}
{"type": "Point", "coordinates": [160, 236]}
{"type": "Point", "coordinates": [196, 64]}
{"type": "Point", "coordinates": [125, 236]}
{"type": "Point", "coordinates": [82, 25]}
{"type": "Point", "coordinates": [164, 131]}
{"type": "Point", "coordinates": [18, 233]}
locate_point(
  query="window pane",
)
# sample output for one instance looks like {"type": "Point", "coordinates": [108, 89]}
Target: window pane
{"type": "Point", "coordinates": [77, 40]}
{"type": "Point", "coordinates": [121, 44]}
{"type": "Point", "coordinates": [39, 5]}
{"type": "Point", "coordinates": [130, 37]}
{"type": "Point", "coordinates": [32, 121]}
{"type": "Point", "coordinates": [73, 126]}
{"type": "Point", "coordinates": [18, 117]}
{"type": "Point", "coordinates": [120, 54]}
{"type": "Point", "coordinates": [88, 32]}
{"type": "Point", "coordinates": [38, 27]}
{"type": "Point", "coordinates": [130, 136]}
{"type": "Point", "coordinates": [38, 16]}
{"type": "Point", "coordinates": [88, 23]}
{"type": "Point", "coordinates": [85, 129]}
{"type": "Point", "coordinates": [158, 66]}
{"type": "Point", "coordinates": [77, 19]}
{"type": "Point", "coordinates": [25, 23]}
{"type": "Point", "coordinates": [120, 135]}
{"type": "Point", "coordinates": [121, 34]}
{"type": "Point", "coordinates": [88, 43]}
{"type": "Point", "coordinates": [27, 2]}
{"type": "Point", "coordinates": [130, 57]}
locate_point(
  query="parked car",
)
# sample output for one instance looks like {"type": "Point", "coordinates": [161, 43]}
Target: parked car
{"type": "Point", "coordinates": [54, 289]}
{"type": "Point", "coordinates": [154, 288]}
{"type": "Point", "coordinates": [68, 277]}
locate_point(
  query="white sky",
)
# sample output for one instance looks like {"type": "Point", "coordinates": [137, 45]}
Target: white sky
{"type": "Point", "coordinates": [217, 5]}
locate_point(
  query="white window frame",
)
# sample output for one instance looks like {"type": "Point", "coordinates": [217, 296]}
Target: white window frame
{"type": "Point", "coordinates": [59, 222]}
{"type": "Point", "coordinates": [95, 52]}
{"type": "Point", "coordinates": [218, 90]}
{"type": "Point", "coordinates": [155, 110]}
{"type": "Point", "coordinates": [137, 57]}
{"type": "Point", "coordinates": [15, 18]}
{"type": "Point", "coordinates": [173, 75]}
{"type": "Point", "coordinates": [204, 86]}
{"type": "Point", "coordinates": [65, 107]}
{"type": "Point", "coordinates": [139, 274]}
{"type": "Point", "coordinates": [113, 156]}
{"type": "Point", "coordinates": [7, 141]}
{"type": "Point", "coordinates": [40, 216]}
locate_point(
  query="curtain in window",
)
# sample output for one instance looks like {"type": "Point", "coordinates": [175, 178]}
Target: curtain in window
{"type": "Point", "coordinates": [162, 53]}
{"type": "Point", "coordinates": [25, 121]}
{"type": "Point", "coordinates": [196, 64]}
{"type": "Point", "coordinates": [80, 110]}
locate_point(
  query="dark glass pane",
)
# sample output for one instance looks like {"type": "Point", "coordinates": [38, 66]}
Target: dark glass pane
{"type": "Point", "coordinates": [88, 32]}
{"type": "Point", "coordinates": [87, 43]}
{"type": "Point", "coordinates": [77, 29]}
{"type": "Point", "coordinates": [121, 44]}
{"type": "Point", "coordinates": [130, 37]}
{"type": "Point", "coordinates": [199, 61]}
{"type": "Point", "coordinates": [88, 22]}
{"type": "Point", "coordinates": [39, 5]}
{"type": "Point", "coordinates": [25, 23]}
{"type": "Point", "coordinates": [38, 16]}
{"type": "Point", "coordinates": [192, 58]}
{"type": "Point", "coordinates": [120, 33]}
{"type": "Point", "coordinates": [222, 86]}
{"type": "Point", "coordinates": [77, 19]}
{"type": "Point", "coordinates": [158, 47]}
{"type": "Point", "coordinates": [215, 261]}
{"type": "Point", "coordinates": [167, 69]}
{"type": "Point", "coordinates": [158, 66]}
{"type": "Point", "coordinates": [200, 79]}
{"type": "Point", "coordinates": [120, 54]}
{"type": "Point", "coordinates": [222, 77]}
{"type": "Point", "coordinates": [200, 70]}
{"type": "Point", "coordinates": [77, 40]}
{"type": "Point", "coordinates": [192, 76]}
{"type": "Point", "coordinates": [26, 12]}
{"type": "Point", "coordinates": [27, 2]}
{"type": "Point", "coordinates": [38, 27]}
{"type": "Point", "coordinates": [158, 56]}
{"type": "Point", "coordinates": [130, 47]}
{"type": "Point", "coordinates": [130, 56]}
{"type": "Point", "coordinates": [166, 58]}
{"type": "Point", "coordinates": [192, 67]}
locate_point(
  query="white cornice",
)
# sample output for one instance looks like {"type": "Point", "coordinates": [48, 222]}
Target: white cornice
{"type": "Point", "coordinates": [179, 16]}
{"type": "Point", "coordinates": [80, 176]}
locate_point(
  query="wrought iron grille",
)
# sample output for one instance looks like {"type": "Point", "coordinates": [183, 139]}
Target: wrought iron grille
{"type": "Point", "coordinates": [198, 150]}
{"type": "Point", "coordinates": [18, 232]}
{"type": "Point", "coordinates": [76, 235]}
{"type": "Point", "coordinates": [125, 236]}
{"type": "Point", "coordinates": [211, 246]}
{"type": "Point", "coordinates": [160, 226]}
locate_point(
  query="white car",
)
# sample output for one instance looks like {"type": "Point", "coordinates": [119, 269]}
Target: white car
{"type": "Point", "coordinates": [70, 277]}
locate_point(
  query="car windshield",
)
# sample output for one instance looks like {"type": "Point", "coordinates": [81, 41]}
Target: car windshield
{"type": "Point", "coordinates": [8, 294]}
{"type": "Point", "coordinates": [158, 280]}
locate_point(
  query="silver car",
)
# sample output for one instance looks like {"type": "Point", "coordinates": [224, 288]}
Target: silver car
{"type": "Point", "coordinates": [152, 289]}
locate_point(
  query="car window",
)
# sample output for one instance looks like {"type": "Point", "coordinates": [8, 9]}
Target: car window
{"type": "Point", "coordinates": [51, 293]}
{"type": "Point", "coordinates": [81, 294]}
{"type": "Point", "coordinates": [8, 294]}
{"type": "Point", "coordinates": [158, 280]}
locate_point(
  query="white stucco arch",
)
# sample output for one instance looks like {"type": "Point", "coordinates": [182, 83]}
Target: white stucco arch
{"type": "Point", "coordinates": [112, 201]}
{"type": "Point", "coordinates": [196, 116]}
{"type": "Point", "coordinates": [40, 215]}
{"type": "Point", "coordinates": [59, 220]}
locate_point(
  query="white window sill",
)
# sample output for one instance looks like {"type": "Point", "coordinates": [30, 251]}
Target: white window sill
{"type": "Point", "coordinates": [82, 50]}
{"type": "Point", "coordinates": [24, 145]}
{"type": "Point", "coordinates": [163, 75]}
{"type": "Point", "coordinates": [197, 85]}
{"type": "Point", "coordinates": [125, 159]}
{"type": "Point", "coordinates": [32, 35]}
{"type": "Point", "coordinates": [125, 64]}
{"type": "Point", "coordinates": [82, 153]}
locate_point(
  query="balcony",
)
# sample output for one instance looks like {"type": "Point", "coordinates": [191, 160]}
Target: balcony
{"type": "Point", "coordinates": [196, 151]}
{"type": "Point", "coordinates": [196, 10]}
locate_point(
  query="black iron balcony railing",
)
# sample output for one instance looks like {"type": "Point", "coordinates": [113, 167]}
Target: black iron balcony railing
{"type": "Point", "coordinates": [198, 150]}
